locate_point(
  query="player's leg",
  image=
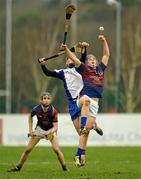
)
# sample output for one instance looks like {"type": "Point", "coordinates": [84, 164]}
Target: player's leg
{"type": "Point", "coordinates": [84, 103]}
{"type": "Point", "coordinates": [91, 124]}
{"type": "Point", "coordinates": [84, 144]}
{"type": "Point", "coordinates": [95, 127]}
{"type": "Point", "coordinates": [76, 123]}
{"type": "Point", "coordinates": [32, 142]}
{"type": "Point", "coordinates": [92, 115]}
{"type": "Point", "coordinates": [81, 151]}
{"type": "Point", "coordinates": [57, 150]}
{"type": "Point", "coordinates": [80, 155]}
{"type": "Point", "coordinates": [75, 112]}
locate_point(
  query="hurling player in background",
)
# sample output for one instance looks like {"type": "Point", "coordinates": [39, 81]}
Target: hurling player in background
{"type": "Point", "coordinates": [47, 125]}
{"type": "Point", "coordinates": [93, 78]}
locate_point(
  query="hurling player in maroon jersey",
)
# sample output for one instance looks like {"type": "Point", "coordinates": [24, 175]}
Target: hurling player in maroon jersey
{"type": "Point", "coordinates": [93, 78]}
{"type": "Point", "coordinates": [47, 125]}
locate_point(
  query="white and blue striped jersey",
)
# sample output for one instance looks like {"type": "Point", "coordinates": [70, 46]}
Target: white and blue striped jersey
{"type": "Point", "coordinates": [72, 80]}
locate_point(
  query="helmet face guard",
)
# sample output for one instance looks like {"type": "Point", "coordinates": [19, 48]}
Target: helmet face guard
{"type": "Point", "coordinates": [70, 65]}
{"type": "Point", "coordinates": [45, 94]}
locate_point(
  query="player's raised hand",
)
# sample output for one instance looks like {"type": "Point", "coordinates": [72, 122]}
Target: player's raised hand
{"type": "Point", "coordinates": [63, 47]}
{"type": "Point", "coordinates": [84, 44]}
{"type": "Point", "coordinates": [41, 61]}
{"type": "Point", "coordinates": [101, 38]}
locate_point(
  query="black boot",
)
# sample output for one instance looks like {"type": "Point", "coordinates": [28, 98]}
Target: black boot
{"type": "Point", "coordinates": [15, 169]}
{"type": "Point", "coordinates": [64, 167]}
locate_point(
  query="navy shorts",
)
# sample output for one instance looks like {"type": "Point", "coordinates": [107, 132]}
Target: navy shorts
{"type": "Point", "coordinates": [74, 110]}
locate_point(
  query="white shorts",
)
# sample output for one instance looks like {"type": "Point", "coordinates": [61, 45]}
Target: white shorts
{"type": "Point", "coordinates": [40, 132]}
{"type": "Point", "coordinates": [93, 106]}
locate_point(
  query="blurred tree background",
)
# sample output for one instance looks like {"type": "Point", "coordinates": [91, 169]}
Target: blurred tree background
{"type": "Point", "coordinates": [37, 31]}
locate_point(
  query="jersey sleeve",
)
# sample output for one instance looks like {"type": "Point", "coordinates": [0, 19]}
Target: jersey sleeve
{"type": "Point", "coordinates": [55, 73]}
{"type": "Point", "coordinates": [33, 112]}
{"type": "Point", "coordinates": [100, 68]}
{"type": "Point", "coordinates": [81, 69]}
{"type": "Point", "coordinates": [60, 74]}
{"type": "Point", "coordinates": [48, 72]}
{"type": "Point", "coordinates": [83, 55]}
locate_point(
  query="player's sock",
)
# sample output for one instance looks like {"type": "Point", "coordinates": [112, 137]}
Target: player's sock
{"type": "Point", "coordinates": [83, 124]}
{"type": "Point", "coordinates": [80, 152]}
{"type": "Point", "coordinates": [82, 158]}
{"type": "Point", "coordinates": [77, 158]}
{"type": "Point", "coordinates": [83, 121]}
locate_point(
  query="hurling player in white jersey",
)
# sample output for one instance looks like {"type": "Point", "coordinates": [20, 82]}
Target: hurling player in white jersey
{"type": "Point", "coordinates": [73, 85]}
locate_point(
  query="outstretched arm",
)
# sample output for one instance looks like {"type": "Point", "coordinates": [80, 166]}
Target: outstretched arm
{"type": "Point", "coordinates": [83, 55]}
{"type": "Point", "coordinates": [84, 46]}
{"type": "Point", "coordinates": [46, 71]}
{"type": "Point", "coordinates": [55, 127]}
{"type": "Point", "coordinates": [71, 55]}
{"type": "Point", "coordinates": [30, 125]}
{"type": "Point", "coordinates": [106, 51]}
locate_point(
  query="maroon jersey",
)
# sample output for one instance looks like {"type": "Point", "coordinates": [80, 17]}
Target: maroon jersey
{"type": "Point", "coordinates": [45, 119]}
{"type": "Point", "coordinates": [93, 80]}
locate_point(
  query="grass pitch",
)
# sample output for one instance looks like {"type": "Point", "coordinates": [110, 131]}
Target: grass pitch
{"type": "Point", "coordinates": [102, 163]}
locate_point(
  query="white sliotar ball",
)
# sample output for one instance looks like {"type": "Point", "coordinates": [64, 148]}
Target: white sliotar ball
{"type": "Point", "coordinates": [101, 28]}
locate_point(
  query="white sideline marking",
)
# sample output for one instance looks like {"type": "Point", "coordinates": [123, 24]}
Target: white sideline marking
{"type": "Point", "coordinates": [72, 162]}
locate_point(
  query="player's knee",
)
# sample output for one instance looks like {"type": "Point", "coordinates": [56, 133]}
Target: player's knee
{"type": "Point", "coordinates": [86, 102]}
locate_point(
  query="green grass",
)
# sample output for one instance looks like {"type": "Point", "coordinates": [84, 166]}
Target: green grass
{"type": "Point", "coordinates": [102, 163]}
